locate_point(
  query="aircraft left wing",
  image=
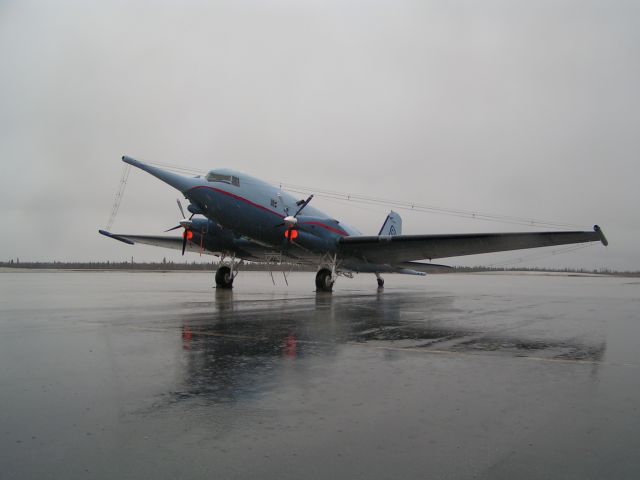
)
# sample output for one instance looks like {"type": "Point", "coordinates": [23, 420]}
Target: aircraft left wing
{"type": "Point", "coordinates": [402, 248]}
{"type": "Point", "coordinates": [156, 240]}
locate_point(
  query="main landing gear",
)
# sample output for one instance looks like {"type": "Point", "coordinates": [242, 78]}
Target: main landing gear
{"type": "Point", "coordinates": [226, 274]}
{"type": "Point", "coordinates": [224, 278]}
{"type": "Point", "coordinates": [324, 280]}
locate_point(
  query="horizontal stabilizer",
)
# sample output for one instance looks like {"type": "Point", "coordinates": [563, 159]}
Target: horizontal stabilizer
{"type": "Point", "coordinates": [426, 267]}
{"type": "Point", "coordinates": [408, 271]}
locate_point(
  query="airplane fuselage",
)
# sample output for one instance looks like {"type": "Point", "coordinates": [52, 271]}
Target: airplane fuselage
{"type": "Point", "coordinates": [255, 209]}
{"type": "Point", "coordinates": [244, 206]}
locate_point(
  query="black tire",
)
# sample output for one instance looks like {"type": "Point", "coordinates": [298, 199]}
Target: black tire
{"type": "Point", "coordinates": [224, 278]}
{"type": "Point", "coordinates": [324, 283]}
{"type": "Point", "coordinates": [380, 282]}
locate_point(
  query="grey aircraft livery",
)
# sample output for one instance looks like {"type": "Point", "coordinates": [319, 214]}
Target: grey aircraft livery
{"type": "Point", "coordinates": [239, 217]}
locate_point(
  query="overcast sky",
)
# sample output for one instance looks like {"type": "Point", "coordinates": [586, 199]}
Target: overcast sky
{"type": "Point", "coordinates": [526, 108]}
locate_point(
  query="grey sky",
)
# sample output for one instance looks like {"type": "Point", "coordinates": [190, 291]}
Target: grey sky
{"type": "Point", "coordinates": [516, 107]}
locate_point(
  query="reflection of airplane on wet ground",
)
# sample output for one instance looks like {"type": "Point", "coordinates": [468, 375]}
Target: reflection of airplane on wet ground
{"type": "Point", "coordinates": [233, 352]}
{"type": "Point", "coordinates": [242, 217]}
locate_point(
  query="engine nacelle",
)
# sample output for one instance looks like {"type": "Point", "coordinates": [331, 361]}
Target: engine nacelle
{"type": "Point", "coordinates": [195, 209]}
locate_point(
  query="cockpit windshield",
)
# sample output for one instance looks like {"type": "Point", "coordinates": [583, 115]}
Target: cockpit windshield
{"type": "Point", "coordinates": [212, 176]}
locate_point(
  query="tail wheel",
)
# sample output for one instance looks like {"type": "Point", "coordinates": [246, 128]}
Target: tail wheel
{"type": "Point", "coordinates": [324, 281]}
{"type": "Point", "coordinates": [224, 278]}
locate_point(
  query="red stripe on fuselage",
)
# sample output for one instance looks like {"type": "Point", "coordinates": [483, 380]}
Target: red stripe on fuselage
{"type": "Point", "coordinates": [241, 199]}
{"type": "Point", "coordinates": [327, 227]}
{"type": "Point", "coordinates": [261, 207]}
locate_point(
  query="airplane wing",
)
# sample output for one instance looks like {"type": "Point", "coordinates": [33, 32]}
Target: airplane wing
{"type": "Point", "coordinates": [402, 248]}
{"type": "Point", "coordinates": [156, 240]}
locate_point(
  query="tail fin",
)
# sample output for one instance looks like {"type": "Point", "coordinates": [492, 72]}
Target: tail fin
{"type": "Point", "coordinates": [392, 225]}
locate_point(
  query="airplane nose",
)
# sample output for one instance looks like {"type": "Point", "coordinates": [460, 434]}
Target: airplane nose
{"type": "Point", "coordinates": [178, 182]}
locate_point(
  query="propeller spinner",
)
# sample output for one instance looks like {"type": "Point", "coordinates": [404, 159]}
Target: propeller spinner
{"type": "Point", "coordinates": [291, 222]}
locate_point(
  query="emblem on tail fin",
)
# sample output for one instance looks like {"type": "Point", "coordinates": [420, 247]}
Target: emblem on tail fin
{"type": "Point", "coordinates": [392, 225]}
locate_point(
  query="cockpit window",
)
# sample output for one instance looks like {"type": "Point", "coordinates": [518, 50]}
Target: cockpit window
{"type": "Point", "coordinates": [219, 177]}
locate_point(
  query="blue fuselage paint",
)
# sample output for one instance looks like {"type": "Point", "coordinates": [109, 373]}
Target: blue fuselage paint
{"type": "Point", "coordinates": [245, 217]}
{"type": "Point", "coordinates": [255, 209]}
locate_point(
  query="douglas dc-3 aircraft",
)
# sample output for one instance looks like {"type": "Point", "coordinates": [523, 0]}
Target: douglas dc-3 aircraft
{"type": "Point", "coordinates": [241, 217]}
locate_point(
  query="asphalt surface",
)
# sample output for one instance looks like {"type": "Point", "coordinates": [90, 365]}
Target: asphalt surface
{"type": "Point", "coordinates": [151, 375]}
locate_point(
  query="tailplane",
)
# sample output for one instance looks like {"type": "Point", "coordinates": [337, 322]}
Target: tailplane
{"type": "Point", "coordinates": [392, 225]}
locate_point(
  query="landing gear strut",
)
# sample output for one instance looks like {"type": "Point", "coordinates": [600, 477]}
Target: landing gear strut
{"type": "Point", "coordinates": [324, 280]}
{"type": "Point", "coordinates": [380, 280]}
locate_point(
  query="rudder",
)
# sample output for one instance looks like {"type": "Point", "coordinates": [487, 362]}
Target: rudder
{"type": "Point", "coordinates": [392, 225]}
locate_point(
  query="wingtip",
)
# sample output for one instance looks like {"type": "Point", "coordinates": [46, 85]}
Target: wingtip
{"type": "Point", "coordinates": [603, 239]}
{"type": "Point", "coordinates": [115, 237]}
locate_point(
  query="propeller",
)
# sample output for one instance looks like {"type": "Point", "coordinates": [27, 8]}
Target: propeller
{"type": "Point", "coordinates": [186, 224]}
{"type": "Point", "coordinates": [291, 221]}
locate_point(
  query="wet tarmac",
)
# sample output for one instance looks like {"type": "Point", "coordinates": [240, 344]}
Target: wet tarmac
{"type": "Point", "coordinates": [157, 375]}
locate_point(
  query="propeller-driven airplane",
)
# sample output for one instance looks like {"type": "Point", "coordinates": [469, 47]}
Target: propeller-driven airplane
{"type": "Point", "coordinates": [244, 218]}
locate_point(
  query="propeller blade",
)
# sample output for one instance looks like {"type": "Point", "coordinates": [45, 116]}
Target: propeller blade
{"type": "Point", "coordinates": [291, 219]}
{"type": "Point", "coordinates": [174, 228]}
{"type": "Point", "coordinates": [304, 204]}
{"type": "Point", "coordinates": [184, 242]}
{"type": "Point", "coordinates": [180, 207]}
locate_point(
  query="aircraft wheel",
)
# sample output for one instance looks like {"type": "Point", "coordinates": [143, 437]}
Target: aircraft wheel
{"type": "Point", "coordinates": [224, 278]}
{"type": "Point", "coordinates": [380, 282]}
{"type": "Point", "coordinates": [324, 282]}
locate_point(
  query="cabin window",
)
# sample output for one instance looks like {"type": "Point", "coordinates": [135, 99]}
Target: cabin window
{"type": "Point", "coordinates": [219, 177]}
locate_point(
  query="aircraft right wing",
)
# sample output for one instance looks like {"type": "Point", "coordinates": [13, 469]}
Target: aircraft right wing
{"type": "Point", "coordinates": [388, 249]}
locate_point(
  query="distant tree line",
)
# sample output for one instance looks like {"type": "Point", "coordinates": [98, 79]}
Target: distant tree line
{"type": "Point", "coordinates": [152, 266]}
{"type": "Point", "coordinates": [598, 271]}
{"type": "Point", "coordinates": [263, 266]}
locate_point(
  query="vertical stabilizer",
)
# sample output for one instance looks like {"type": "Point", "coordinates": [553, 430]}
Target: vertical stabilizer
{"type": "Point", "coordinates": [392, 225]}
